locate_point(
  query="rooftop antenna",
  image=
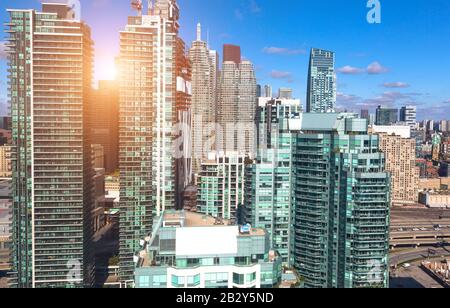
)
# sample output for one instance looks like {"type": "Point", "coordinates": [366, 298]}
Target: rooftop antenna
{"type": "Point", "coordinates": [199, 32]}
{"type": "Point", "coordinates": [137, 5]}
{"type": "Point", "coordinates": [150, 7]}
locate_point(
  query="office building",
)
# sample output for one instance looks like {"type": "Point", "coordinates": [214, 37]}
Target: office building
{"type": "Point", "coordinates": [204, 99]}
{"type": "Point", "coordinates": [50, 85]}
{"type": "Point", "coordinates": [98, 156]}
{"type": "Point", "coordinates": [400, 157]}
{"type": "Point", "coordinates": [155, 90]}
{"type": "Point", "coordinates": [408, 115]}
{"type": "Point", "coordinates": [105, 122]}
{"type": "Point", "coordinates": [365, 114]}
{"type": "Point", "coordinates": [232, 53]}
{"type": "Point", "coordinates": [227, 256]}
{"type": "Point", "coordinates": [321, 93]}
{"type": "Point", "coordinates": [386, 116]}
{"type": "Point", "coordinates": [342, 204]}
{"type": "Point", "coordinates": [221, 185]}
{"type": "Point", "coordinates": [236, 108]}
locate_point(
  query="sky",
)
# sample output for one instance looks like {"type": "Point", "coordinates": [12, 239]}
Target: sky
{"type": "Point", "coordinates": [404, 60]}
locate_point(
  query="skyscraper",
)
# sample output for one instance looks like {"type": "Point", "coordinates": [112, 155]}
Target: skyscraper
{"type": "Point", "coordinates": [386, 116]}
{"type": "Point", "coordinates": [321, 94]}
{"type": "Point", "coordinates": [236, 108]}
{"type": "Point", "coordinates": [268, 91]}
{"type": "Point", "coordinates": [342, 204]}
{"type": "Point", "coordinates": [105, 122]}
{"type": "Point", "coordinates": [50, 82]}
{"type": "Point", "coordinates": [408, 115]}
{"type": "Point", "coordinates": [155, 91]}
{"type": "Point", "coordinates": [231, 53]}
{"type": "Point", "coordinates": [204, 99]}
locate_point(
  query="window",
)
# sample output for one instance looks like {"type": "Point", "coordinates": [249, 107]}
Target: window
{"type": "Point", "coordinates": [193, 281]}
{"type": "Point", "coordinates": [144, 282]}
{"type": "Point", "coordinates": [251, 278]}
{"type": "Point", "coordinates": [159, 280]}
{"type": "Point", "coordinates": [178, 282]}
{"type": "Point", "coordinates": [238, 279]}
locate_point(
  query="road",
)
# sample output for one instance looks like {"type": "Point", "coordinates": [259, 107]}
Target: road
{"type": "Point", "coordinates": [397, 258]}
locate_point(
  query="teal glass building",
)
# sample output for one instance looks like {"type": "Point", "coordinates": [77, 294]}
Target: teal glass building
{"type": "Point", "coordinates": [341, 199]}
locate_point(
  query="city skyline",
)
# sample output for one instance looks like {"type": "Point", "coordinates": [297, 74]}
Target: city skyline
{"type": "Point", "coordinates": [372, 68]}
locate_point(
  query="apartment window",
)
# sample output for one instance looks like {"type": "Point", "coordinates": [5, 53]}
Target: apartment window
{"type": "Point", "coordinates": [178, 282]}
{"type": "Point", "coordinates": [144, 282]}
{"type": "Point", "coordinates": [193, 281]}
{"type": "Point", "coordinates": [159, 280]}
{"type": "Point", "coordinates": [238, 278]}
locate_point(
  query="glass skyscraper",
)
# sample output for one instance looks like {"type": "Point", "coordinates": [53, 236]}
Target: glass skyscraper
{"type": "Point", "coordinates": [50, 69]}
{"type": "Point", "coordinates": [155, 91]}
{"type": "Point", "coordinates": [342, 203]}
{"type": "Point", "coordinates": [321, 94]}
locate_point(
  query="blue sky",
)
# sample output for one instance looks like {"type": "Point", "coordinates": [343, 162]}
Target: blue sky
{"type": "Point", "coordinates": [403, 60]}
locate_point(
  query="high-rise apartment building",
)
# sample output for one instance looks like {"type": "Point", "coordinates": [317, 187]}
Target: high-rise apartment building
{"type": "Point", "coordinates": [155, 90]}
{"type": "Point", "coordinates": [268, 190]}
{"type": "Point", "coordinates": [386, 116]}
{"type": "Point", "coordinates": [50, 65]}
{"type": "Point", "coordinates": [205, 67]}
{"type": "Point", "coordinates": [321, 94]}
{"type": "Point", "coordinates": [342, 206]}
{"type": "Point", "coordinates": [105, 122]}
{"type": "Point", "coordinates": [5, 161]}
{"type": "Point", "coordinates": [236, 108]}
{"type": "Point", "coordinates": [400, 156]}
{"type": "Point", "coordinates": [221, 185]}
{"type": "Point", "coordinates": [408, 115]}
{"type": "Point", "coordinates": [232, 53]}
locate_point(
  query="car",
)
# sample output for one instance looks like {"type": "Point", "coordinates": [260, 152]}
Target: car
{"type": "Point", "coordinates": [416, 229]}
{"type": "Point", "coordinates": [423, 229]}
{"type": "Point", "coordinates": [406, 265]}
{"type": "Point", "coordinates": [400, 230]}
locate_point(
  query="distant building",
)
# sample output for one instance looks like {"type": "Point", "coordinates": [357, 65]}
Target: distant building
{"type": "Point", "coordinates": [386, 116]}
{"type": "Point", "coordinates": [236, 108]}
{"type": "Point", "coordinates": [400, 157]}
{"type": "Point", "coordinates": [190, 250]}
{"type": "Point", "coordinates": [408, 115]}
{"type": "Point", "coordinates": [285, 93]}
{"type": "Point", "coordinates": [232, 53]}
{"type": "Point", "coordinates": [365, 115]}
{"type": "Point", "coordinates": [204, 99]}
{"type": "Point", "coordinates": [105, 122]}
{"type": "Point", "coordinates": [321, 93]}
{"type": "Point", "coordinates": [268, 91]}
{"type": "Point", "coordinates": [98, 154]}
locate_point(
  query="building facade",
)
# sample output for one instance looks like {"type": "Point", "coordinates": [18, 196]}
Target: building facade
{"type": "Point", "coordinates": [400, 157]}
{"type": "Point", "coordinates": [227, 256]}
{"type": "Point", "coordinates": [236, 108]}
{"type": "Point", "coordinates": [50, 61]}
{"type": "Point", "coordinates": [268, 191]}
{"type": "Point", "coordinates": [105, 122]}
{"type": "Point", "coordinates": [386, 116]}
{"type": "Point", "coordinates": [221, 185]}
{"type": "Point", "coordinates": [205, 67]}
{"type": "Point", "coordinates": [342, 204]}
{"type": "Point", "coordinates": [408, 115]}
{"type": "Point", "coordinates": [321, 93]}
{"type": "Point", "coordinates": [155, 90]}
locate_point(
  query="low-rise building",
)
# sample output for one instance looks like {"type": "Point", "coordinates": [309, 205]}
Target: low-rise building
{"type": "Point", "coordinates": [191, 250]}
{"type": "Point", "coordinates": [435, 199]}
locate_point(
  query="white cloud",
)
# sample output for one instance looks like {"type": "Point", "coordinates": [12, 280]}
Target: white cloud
{"type": "Point", "coordinates": [283, 51]}
{"type": "Point", "coordinates": [350, 70]}
{"type": "Point", "coordinates": [376, 68]}
{"type": "Point", "coordinates": [401, 85]}
{"type": "Point", "coordinates": [280, 75]}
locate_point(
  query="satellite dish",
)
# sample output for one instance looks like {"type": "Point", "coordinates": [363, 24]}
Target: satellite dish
{"type": "Point", "coordinates": [75, 9]}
